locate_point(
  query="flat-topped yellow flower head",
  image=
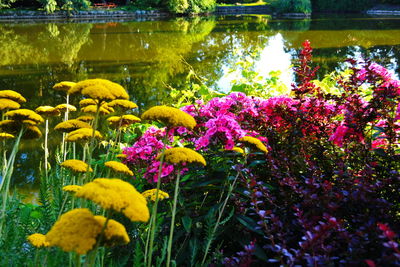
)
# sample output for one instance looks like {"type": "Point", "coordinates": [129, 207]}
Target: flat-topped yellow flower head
{"type": "Point", "coordinates": [82, 135]}
{"type": "Point", "coordinates": [4, 136]}
{"type": "Point", "coordinates": [123, 120]}
{"type": "Point", "coordinates": [47, 111]}
{"type": "Point", "coordinates": [87, 101]}
{"type": "Point", "coordinates": [24, 114]}
{"type": "Point", "coordinates": [38, 240]}
{"type": "Point", "coordinates": [122, 156]}
{"type": "Point", "coordinates": [108, 89]}
{"type": "Point", "coordinates": [180, 155]}
{"type": "Point", "coordinates": [71, 125]}
{"type": "Point", "coordinates": [10, 94]}
{"type": "Point", "coordinates": [76, 165]}
{"type": "Point", "coordinates": [85, 118]}
{"type": "Point", "coordinates": [117, 195]}
{"type": "Point", "coordinates": [122, 104]}
{"type": "Point", "coordinates": [98, 92]}
{"type": "Point", "coordinates": [63, 86]}
{"type": "Point", "coordinates": [103, 109]}
{"type": "Point", "coordinates": [31, 132]}
{"type": "Point", "coordinates": [65, 107]}
{"type": "Point", "coordinates": [254, 142]}
{"type": "Point", "coordinates": [72, 188]}
{"type": "Point", "coordinates": [151, 194]}
{"type": "Point", "coordinates": [76, 230]}
{"type": "Point", "coordinates": [6, 103]}
{"type": "Point", "coordinates": [238, 150]}
{"type": "Point", "coordinates": [118, 167]}
{"type": "Point", "coordinates": [169, 116]}
{"type": "Point", "coordinates": [114, 234]}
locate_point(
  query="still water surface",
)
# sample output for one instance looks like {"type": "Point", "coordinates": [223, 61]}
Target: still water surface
{"type": "Point", "coordinates": [148, 57]}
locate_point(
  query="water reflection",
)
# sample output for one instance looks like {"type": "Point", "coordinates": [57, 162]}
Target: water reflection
{"type": "Point", "coordinates": [146, 57]}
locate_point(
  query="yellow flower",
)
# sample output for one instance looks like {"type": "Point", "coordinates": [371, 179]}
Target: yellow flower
{"type": "Point", "coordinates": [63, 86]}
{"type": "Point", "coordinates": [10, 94]}
{"type": "Point", "coordinates": [238, 150]}
{"type": "Point", "coordinates": [121, 156]}
{"type": "Point", "coordinates": [107, 88]}
{"type": "Point", "coordinates": [64, 107]}
{"type": "Point", "coordinates": [47, 110]}
{"type": "Point", "coordinates": [71, 188]}
{"type": "Point", "coordinates": [31, 132]}
{"type": "Point", "coordinates": [151, 194]}
{"type": "Point", "coordinates": [38, 240]}
{"type": "Point", "coordinates": [117, 195]}
{"type": "Point", "coordinates": [76, 230]}
{"type": "Point", "coordinates": [170, 116]}
{"type": "Point", "coordinates": [71, 125]}
{"type": "Point", "coordinates": [29, 122]}
{"type": "Point", "coordinates": [24, 114]}
{"type": "Point", "coordinates": [123, 120]}
{"type": "Point", "coordinates": [4, 136]}
{"type": "Point", "coordinates": [76, 165]}
{"type": "Point", "coordinates": [6, 103]}
{"type": "Point", "coordinates": [87, 102]}
{"type": "Point", "coordinates": [122, 104]}
{"type": "Point", "coordinates": [254, 142]}
{"type": "Point", "coordinates": [85, 118]}
{"type": "Point", "coordinates": [114, 234]}
{"type": "Point", "coordinates": [118, 167]}
{"type": "Point", "coordinates": [179, 155]}
{"type": "Point", "coordinates": [104, 109]}
{"type": "Point", "coordinates": [82, 135]}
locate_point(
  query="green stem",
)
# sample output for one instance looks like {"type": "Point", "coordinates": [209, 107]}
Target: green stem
{"type": "Point", "coordinates": [7, 179]}
{"type": "Point", "coordinates": [153, 219]}
{"type": "Point", "coordinates": [220, 213]}
{"type": "Point", "coordinates": [78, 260]}
{"type": "Point", "coordinates": [171, 232]}
{"type": "Point", "coordinates": [46, 150]}
{"type": "Point", "coordinates": [91, 146]}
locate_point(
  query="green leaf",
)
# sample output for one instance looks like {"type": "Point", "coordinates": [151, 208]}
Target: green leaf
{"type": "Point", "coordinates": [187, 223]}
{"type": "Point", "coordinates": [248, 223]}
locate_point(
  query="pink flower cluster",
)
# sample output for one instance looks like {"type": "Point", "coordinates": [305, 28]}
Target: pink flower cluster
{"type": "Point", "coordinates": [143, 153]}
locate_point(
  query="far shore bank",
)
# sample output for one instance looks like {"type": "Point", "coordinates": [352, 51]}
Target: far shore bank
{"type": "Point", "coordinates": [121, 15]}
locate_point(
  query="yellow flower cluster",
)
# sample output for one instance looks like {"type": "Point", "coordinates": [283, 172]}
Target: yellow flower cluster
{"type": "Point", "coordinates": [238, 150]}
{"type": "Point", "coordinates": [64, 107]}
{"type": "Point", "coordinates": [151, 194]}
{"type": "Point", "coordinates": [85, 118]}
{"type": "Point", "coordinates": [31, 132]}
{"type": "Point", "coordinates": [252, 141]}
{"type": "Point", "coordinates": [103, 109]}
{"type": "Point", "coordinates": [87, 101]}
{"type": "Point", "coordinates": [122, 104]}
{"type": "Point", "coordinates": [121, 156]}
{"type": "Point", "coordinates": [47, 111]}
{"type": "Point", "coordinates": [6, 103]}
{"type": "Point", "coordinates": [76, 165]}
{"type": "Point", "coordinates": [63, 86]}
{"type": "Point", "coordinates": [82, 135]}
{"type": "Point", "coordinates": [170, 116]}
{"type": "Point", "coordinates": [179, 155]}
{"type": "Point", "coordinates": [114, 234]}
{"type": "Point", "coordinates": [118, 167]}
{"type": "Point", "coordinates": [117, 195]}
{"type": "Point", "coordinates": [99, 89]}
{"type": "Point", "coordinates": [38, 240]}
{"type": "Point", "coordinates": [71, 125]}
{"type": "Point", "coordinates": [72, 188]}
{"type": "Point", "coordinates": [10, 94]}
{"type": "Point", "coordinates": [75, 230]}
{"type": "Point", "coordinates": [6, 136]}
{"type": "Point", "coordinates": [123, 120]}
{"type": "Point", "coordinates": [24, 114]}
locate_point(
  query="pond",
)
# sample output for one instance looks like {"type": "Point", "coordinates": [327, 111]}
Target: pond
{"type": "Point", "coordinates": [149, 57]}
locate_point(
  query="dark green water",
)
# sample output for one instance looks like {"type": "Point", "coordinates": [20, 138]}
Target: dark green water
{"type": "Point", "coordinates": [148, 56]}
